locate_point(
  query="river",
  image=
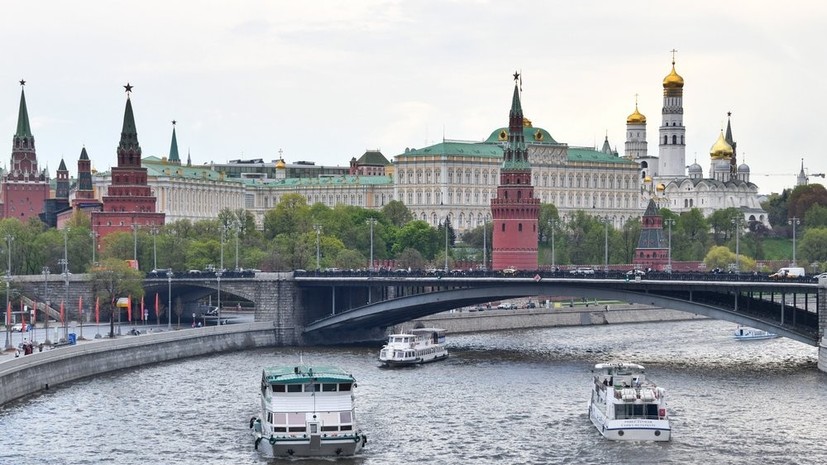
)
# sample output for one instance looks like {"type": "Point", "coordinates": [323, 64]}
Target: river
{"type": "Point", "coordinates": [512, 397]}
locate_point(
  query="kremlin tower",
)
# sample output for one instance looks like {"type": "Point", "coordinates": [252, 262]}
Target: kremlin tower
{"type": "Point", "coordinates": [515, 210]}
{"type": "Point", "coordinates": [24, 189]}
{"type": "Point", "coordinates": [129, 201]}
{"type": "Point", "coordinates": [672, 145]}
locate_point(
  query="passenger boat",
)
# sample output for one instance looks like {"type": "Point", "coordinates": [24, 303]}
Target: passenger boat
{"type": "Point", "coordinates": [420, 345]}
{"type": "Point", "coordinates": [752, 334]}
{"type": "Point", "coordinates": [307, 412]}
{"type": "Point", "coordinates": [624, 405]}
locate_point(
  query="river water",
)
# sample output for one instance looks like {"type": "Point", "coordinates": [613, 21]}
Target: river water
{"type": "Point", "coordinates": [514, 397]}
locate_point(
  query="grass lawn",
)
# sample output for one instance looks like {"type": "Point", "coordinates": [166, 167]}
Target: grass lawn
{"type": "Point", "coordinates": [778, 248]}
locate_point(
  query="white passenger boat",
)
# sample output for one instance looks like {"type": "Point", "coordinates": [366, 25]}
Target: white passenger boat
{"type": "Point", "coordinates": [624, 405]}
{"type": "Point", "coordinates": [752, 334]}
{"type": "Point", "coordinates": [420, 345]}
{"type": "Point", "coordinates": [307, 412]}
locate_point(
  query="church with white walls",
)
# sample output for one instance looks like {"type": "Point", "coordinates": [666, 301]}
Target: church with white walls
{"type": "Point", "coordinates": [672, 184]}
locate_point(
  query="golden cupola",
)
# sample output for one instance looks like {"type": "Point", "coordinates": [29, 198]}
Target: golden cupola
{"type": "Point", "coordinates": [673, 80]}
{"type": "Point", "coordinates": [721, 150]}
{"type": "Point", "coordinates": [280, 164]}
{"type": "Point", "coordinates": [636, 117]}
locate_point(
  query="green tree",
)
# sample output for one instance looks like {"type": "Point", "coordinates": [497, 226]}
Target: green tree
{"type": "Point", "coordinates": [410, 258]}
{"type": "Point", "coordinates": [291, 216]}
{"type": "Point", "coordinates": [813, 246]}
{"type": "Point", "coordinates": [816, 217]}
{"type": "Point", "coordinates": [776, 207]}
{"type": "Point", "coordinates": [802, 198]}
{"type": "Point", "coordinates": [417, 235]}
{"type": "Point", "coordinates": [113, 279]}
{"type": "Point", "coordinates": [721, 223]}
{"type": "Point", "coordinates": [397, 213]}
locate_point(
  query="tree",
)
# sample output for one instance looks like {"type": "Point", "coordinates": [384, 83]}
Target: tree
{"type": "Point", "coordinates": [418, 235]}
{"type": "Point", "coordinates": [776, 207]}
{"type": "Point", "coordinates": [291, 216]}
{"type": "Point", "coordinates": [816, 217]}
{"type": "Point", "coordinates": [629, 237]}
{"type": "Point", "coordinates": [813, 246]}
{"type": "Point", "coordinates": [721, 223]}
{"type": "Point", "coordinates": [802, 198]}
{"type": "Point", "coordinates": [397, 213]}
{"type": "Point", "coordinates": [114, 278]}
{"type": "Point", "coordinates": [721, 257]}
{"type": "Point", "coordinates": [410, 258]}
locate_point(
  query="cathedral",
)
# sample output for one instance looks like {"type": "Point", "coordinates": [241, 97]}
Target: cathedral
{"type": "Point", "coordinates": [671, 184]}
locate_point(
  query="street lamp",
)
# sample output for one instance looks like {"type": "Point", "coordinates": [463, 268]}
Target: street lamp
{"type": "Point", "coordinates": [318, 229]}
{"type": "Point", "coordinates": [237, 232]}
{"type": "Point", "coordinates": [135, 242]}
{"type": "Point", "coordinates": [794, 222]}
{"type": "Point", "coordinates": [223, 232]}
{"type": "Point", "coordinates": [46, 271]}
{"type": "Point", "coordinates": [169, 300]}
{"type": "Point", "coordinates": [371, 222]}
{"type": "Point", "coordinates": [669, 222]}
{"type": "Point", "coordinates": [154, 232]}
{"type": "Point", "coordinates": [485, 244]}
{"type": "Point", "coordinates": [446, 243]}
{"type": "Point", "coordinates": [94, 245]}
{"type": "Point", "coordinates": [218, 276]}
{"type": "Point", "coordinates": [737, 221]}
{"type": "Point", "coordinates": [606, 244]}
{"type": "Point", "coordinates": [552, 223]}
{"type": "Point", "coordinates": [7, 278]}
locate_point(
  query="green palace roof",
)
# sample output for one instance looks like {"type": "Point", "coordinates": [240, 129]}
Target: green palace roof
{"type": "Point", "coordinates": [585, 154]}
{"type": "Point", "coordinates": [471, 149]}
{"type": "Point", "coordinates": [530, 134]}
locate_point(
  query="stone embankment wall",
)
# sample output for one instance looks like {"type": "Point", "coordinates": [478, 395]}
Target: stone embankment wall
{"type": "Point", "coordinates": [495, 319]}
{"type": "Point", "coordinates": [26, 375]}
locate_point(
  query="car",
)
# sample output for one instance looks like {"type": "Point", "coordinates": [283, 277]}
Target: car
{"type": "Point", "coordinates": [819, 276]}
{"type": "Point", "coordinates": [530, 305]}
{"type": "Point", "coordinates": [582, 271]}
{"type": "Point", "coordinates": [635, 273]}
{"type": "Point", "coordinates": [509, 270]}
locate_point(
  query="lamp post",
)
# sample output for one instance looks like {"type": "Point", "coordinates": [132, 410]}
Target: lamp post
{"type": "Point", "coordinates": [737, 221]}
{"type": "Point", "coordinates": [169, 300]}
{"type": "Point", "coordinates": [446, 243]}
{"type": "Point", "coordinates": [7, 278]}
{"type": "Point", "coordinates": [318, 229]}
{"type": "Point", "coordinates": [371, 222]}
{"type": "Point", "coordinates": [154, 231]}
{"type": "Point", "coordinates": [669, 222]}
{"type": "Point", "coordinates": [94, 245]}
{"type": "Point", "coordinates": [218, 276]}
{"type": "Point", "coordinates": [485, 244]}
{"type": "Point", "coordinates": [237, 232]}
{"type": "Point", "coordinates": [552, 223]}
{"type": "Point", "coordinates": [606, 244]}
{"type": "Point", "coordinates": [135, 242]}
{"type": "Point", "coordinates": [46, 271]}
{"type": "Point", "coordinates": [223, 232]}
{"type": "Point", "coordinates": [794, 222]}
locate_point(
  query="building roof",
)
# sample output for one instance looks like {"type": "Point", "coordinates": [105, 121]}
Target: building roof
{"type": "Point", "coordinates": [471, 149]}
{"type": "Point", "coordinates": [23, 127]}
{"type": "Point", "coordinates": [373, 157]}
{"type": "Point", "coordinates": [531, 135]}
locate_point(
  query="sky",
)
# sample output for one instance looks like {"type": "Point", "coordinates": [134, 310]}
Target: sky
{"type": "Point", "coordinates": [325, 81]}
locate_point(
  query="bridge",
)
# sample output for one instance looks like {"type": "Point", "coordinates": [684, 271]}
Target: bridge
{"type": "Point", "coordinates": [792, 309]}
{"type": "Point", "coordinates": [319, 307]}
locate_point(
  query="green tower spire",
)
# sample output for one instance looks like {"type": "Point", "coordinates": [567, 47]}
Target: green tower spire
{"type": "Point", "coordinates": [24, 129]}
{"type": "Point", "coordinates": [173, 149]}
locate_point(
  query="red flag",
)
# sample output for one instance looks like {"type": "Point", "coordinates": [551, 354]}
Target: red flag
{"type": "Point", "coordinates": [142, 308]}
{"type": "Point", "coordinates": [129, 308]}
{"type": "Point", "coordinates": [62, 319]}
{"type": "Point", "coordinates": [80, 308]}
{"type": "Point", "coordinates": [97, 310]}
{"type": "Point", "coordinates": [8, 314]}
{"type": "Point", "coordinates": [23, 323]}
{"type": "Point", "coordinates": [157, 309]}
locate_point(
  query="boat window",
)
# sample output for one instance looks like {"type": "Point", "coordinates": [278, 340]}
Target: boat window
{"type": "Point", "coordinates": [328, 387]}
{"type": "Point", "coordinates": [296, 429]}
{"type": "Point", "coordinates": [345, 417]}
{"type": "Point", "coordinates": [346, 427]}
{"type": "Point", "coordinates": [330, 428]}
{"type": "Point", "coordinates": [279, 419]}
{"type": "Point", "coordinates": [312, 387]}
{"type": "Point", "coordinates": [279, 429]}
{"type": "Point", "coordinates": [294, 388]}
{"type": "Point", "coordinates": [345, 386]}
{"type": "Point", "coordinates": [278, 388]}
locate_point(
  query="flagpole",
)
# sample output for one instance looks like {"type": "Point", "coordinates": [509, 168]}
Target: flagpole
{"type": "Point", "coordinates": [80, 315]}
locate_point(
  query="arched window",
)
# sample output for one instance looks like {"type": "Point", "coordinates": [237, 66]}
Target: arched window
{"type": "Point", "coordinates": [520, 227]}
{"type": "Point", "coordinates": [665, 140]}
{"type": "Point", "coordinates": [674, 140]}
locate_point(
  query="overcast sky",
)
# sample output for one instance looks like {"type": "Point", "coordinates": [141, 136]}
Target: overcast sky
{"type": "Point", "coordinates": [326, 80]}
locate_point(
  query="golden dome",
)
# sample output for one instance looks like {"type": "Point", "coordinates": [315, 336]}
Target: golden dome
{"type": "Point", "coordinates": [636, 117]}
{"type": "Point", "coordinates": [721, 150]}
{"type": "Point", "coordinates": [673, 80]}
{"type": "Point", "coordinates": [661, 187]}
{"type": "Point", "coordinates": [647, 179]}
{"type": "Point", "coordinates": [526, 122]}
{"type": "Point", "coordinates": [280, 164]}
